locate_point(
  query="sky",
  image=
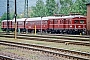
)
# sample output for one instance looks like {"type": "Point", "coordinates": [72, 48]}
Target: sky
{"type": "Point", "coordinates": [20, 5]}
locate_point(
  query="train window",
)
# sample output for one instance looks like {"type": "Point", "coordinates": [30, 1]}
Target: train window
{"type": "Point", "coordinates": [30, 23]}
{"type": "Point", "coordinates": [13, 23]}
{"type": "Point", "coordinates": [70, 21]}
{"type": "Point", "coordinates": [81, 21]}
{"type": "Point", "coordinates": [51, 21]}
{"type": "Point", "coordinates": [20, 23]}
{"type": "Point", "coordinates": [26, 23]}
{"type": "Point", "coordinates": [45, 22]}
{"type": "Point", "coordinates": [76, 21]}
{"type": "Point", "coordinates": [55, 21]}
{"type": "Point", "coordinates": [67, 22]}
{"type": "Point", "coordinates": [62, 21]}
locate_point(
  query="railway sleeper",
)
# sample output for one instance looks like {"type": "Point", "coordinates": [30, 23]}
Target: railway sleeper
{"type": "Point", "coordinates": [44, 51]}
{"type": "Point", "coordinates": [87, 44]}
{"type": "Point", "coordinates": [62, 51]}
{"type": "Point", "coordinates": [49, 48]}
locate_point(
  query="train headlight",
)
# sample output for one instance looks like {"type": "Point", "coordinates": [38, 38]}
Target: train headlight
{"type": "Point", "coordinates": [79, 26]}
{"type": "Point", "coordinates": [70, 26]}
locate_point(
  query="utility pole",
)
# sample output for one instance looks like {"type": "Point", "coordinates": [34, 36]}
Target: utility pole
{"type": "Point", "coordinates": [58, 6]}
{"type": "Point", "coordinates": [26, 9]}
{"type": "Point", "coordinates": [7, 16]}
{"type": "Point", "coordinates": [41, 25]}
{"type": "Point", "coordinates": [15, 20]}
{"type": "Point", "coordinates": [26, 12]}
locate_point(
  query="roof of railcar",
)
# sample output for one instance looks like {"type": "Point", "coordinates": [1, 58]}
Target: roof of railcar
{"type": "Point", "coordinates": [21, 19]}
{"type": "Point", "coordinates": [6, 20]}
{"type": "Point", "coordinates": [36, 19]}
{"type": "Point", "coordinates": [65, 17]}
{"type": "Point", "coordinates": [47, 18]}
{"type": "Point", "coordinates": [54, 17]}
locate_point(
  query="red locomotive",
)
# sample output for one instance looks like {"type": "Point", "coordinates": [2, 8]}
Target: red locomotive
{"type": "Point", "coordinates": [73, 24]}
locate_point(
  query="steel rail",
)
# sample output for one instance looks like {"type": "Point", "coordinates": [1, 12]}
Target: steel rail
{"type": "Point", "coordinates": [50, 40]}
{"type": "Point", "coordinates": [56, 37]}
{"type": "Point", "coordinates": [48, 50]}
{"type": "Point", "coordinates": [66, 35]}
{"type": "Point", "coordinates": [2, 57]}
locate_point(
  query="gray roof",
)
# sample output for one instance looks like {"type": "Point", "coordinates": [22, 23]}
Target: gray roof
{"type": "Point", "coordinates": [6, 20]}
{"type": "Point", "coordinates": [45, 18]}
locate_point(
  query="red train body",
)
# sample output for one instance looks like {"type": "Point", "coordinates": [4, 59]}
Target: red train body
{"type": "Point", "coordinates": [4, 25]}
{"type": "Point", "coordinates": [73, 24]}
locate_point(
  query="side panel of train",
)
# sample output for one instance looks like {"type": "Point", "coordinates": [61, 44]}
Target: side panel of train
{"type": "Point", "coordinates": [11, 25]}
{"type": "Point", "coordinates": [68, 24]}
{"type": "Point", "coordinates": [75, 25]}
{"type": "Point", "coordinates": [20, 26]}
{"type": "Point", "coordinates": [30, 25]}
{"type": "Point", "coordinates": [5, 26]}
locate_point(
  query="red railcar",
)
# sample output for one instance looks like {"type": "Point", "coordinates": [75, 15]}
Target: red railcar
{"type": "Point", "coordinates": [20, 24]}
{"type": "Point", "coordinates": [40, 23]}
{"type": "Point", "coordinates": [73, 24]}
{"type": "Point", "coordinates": [5, 26]}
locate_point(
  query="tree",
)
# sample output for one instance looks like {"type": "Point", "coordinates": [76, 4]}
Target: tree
{"type": "Point", "coordinates": [4, 16]}
{"type": "Point", "coordinates": [66, 6]}
{"type": "Point", "coordinates": [39, 9]}
{"type": "Point", "coordinates": [80, 6]}
{"type": "Point", "coordinates": [51, 7]}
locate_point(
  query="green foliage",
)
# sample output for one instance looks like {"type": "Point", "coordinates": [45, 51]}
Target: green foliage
{"type": "Point", "coordinates": [80, 6]}
{"type": "Point", "coordinates": [44, 10]}
{"type": "Point", "coordinates": [68, 6]}
{"type": "Point", "coordinates": [20, 15]}
{"type": "Point", "coordinates": [39, 9]}
{"type": "Point", "coordinates": [11, 15]}
{"type": "Point", "coordinates": [51, 7]}
{"type": "Point", "coordinates": [4, 16]}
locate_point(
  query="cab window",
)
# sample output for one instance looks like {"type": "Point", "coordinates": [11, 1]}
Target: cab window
{"type": "Point", "coordinates": [76, 21]}
{"type": "Point", "coordinates": [81, 21]}
{"type": "Point", "coordinates": [51, 21]}
{"type": "Point", "coordinates": [55, 21]}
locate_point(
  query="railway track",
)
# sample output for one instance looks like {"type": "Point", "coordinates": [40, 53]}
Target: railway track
{"type": "Point", "coordinates": [66, 35]}
{"type": "Point", "coordinates": [2, 57]}
{"type": "Point", "coordinates": [48, 39]}
{"type": "Point", "coordinates": [60, 36]}
{"type": "Point", "coordinates": [73, 55]}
